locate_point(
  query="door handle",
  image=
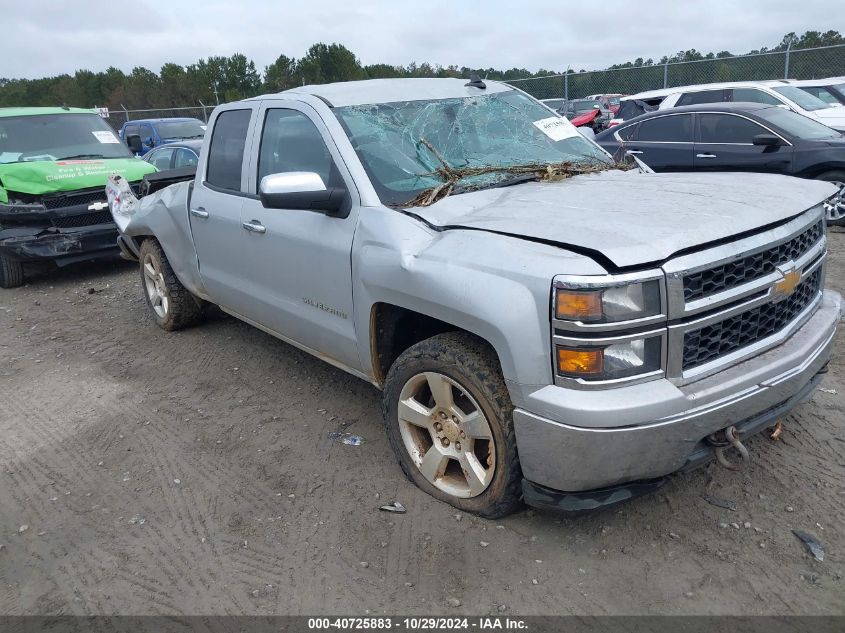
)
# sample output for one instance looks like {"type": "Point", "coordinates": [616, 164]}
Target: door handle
{"type": "Point", "coordinates": [705, 155]}
{"type": "Point", "coordinates": [634, 151]}
{"type": "Point", "coordinates": [199, 212]}
{"type": "Point", "coordinates": [254, 227]}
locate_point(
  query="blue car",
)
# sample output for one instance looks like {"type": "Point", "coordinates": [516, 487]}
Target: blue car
{"type": "Point", "coordinates": [151, 133]}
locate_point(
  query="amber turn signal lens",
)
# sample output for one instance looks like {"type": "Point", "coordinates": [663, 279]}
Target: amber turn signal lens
{"type": "Point", "coordinates": [579, 362]}
{"type": "Point", "coordinates": [571, 304]}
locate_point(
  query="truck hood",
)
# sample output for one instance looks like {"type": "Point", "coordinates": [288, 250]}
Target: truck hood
{"type": "Point", "coordinates": [41, 177]}
{"type": "Point", "coordinates": [631, 218]}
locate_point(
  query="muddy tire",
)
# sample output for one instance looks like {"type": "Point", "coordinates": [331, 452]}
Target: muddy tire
{"type": "Point", "coordinates": [173, 307]}
{"type": "Point", "coordinates": [835, 212]}
{"type": "Point", "coordinates": [11, 272]}
{"type": "Point", "coordinates": [449, 419]}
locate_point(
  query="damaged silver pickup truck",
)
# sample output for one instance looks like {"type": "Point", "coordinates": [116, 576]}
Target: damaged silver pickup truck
{"type": "Point", "coordinates": [545, 325]}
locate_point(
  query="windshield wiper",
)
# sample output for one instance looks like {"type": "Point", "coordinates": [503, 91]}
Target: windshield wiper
{"type": "Point", "coordinates": [82, 156]}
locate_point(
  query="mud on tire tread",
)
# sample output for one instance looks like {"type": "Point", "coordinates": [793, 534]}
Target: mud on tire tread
{"type": "Point", "coordinates": [184, 308]}
{"type": "Point", "coordinates": [11, 272]}
{"type": "Point", "coordinates": [472, 362]}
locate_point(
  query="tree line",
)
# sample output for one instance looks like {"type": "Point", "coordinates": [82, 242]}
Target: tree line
{"type": "Point", "coordinates": [219, 79]}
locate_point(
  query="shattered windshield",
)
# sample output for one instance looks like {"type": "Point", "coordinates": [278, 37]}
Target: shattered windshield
{"type": "Point", "coordinates": [53, 137]}
{"type": "Point", "coordinates": [417, 152]}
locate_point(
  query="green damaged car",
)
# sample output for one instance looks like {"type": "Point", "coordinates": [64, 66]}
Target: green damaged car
{"type": "Point", "coordinates": [54, 163]}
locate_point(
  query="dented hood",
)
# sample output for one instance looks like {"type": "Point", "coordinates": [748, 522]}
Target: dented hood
{"type": "Point", "coordinates": [632, 218]}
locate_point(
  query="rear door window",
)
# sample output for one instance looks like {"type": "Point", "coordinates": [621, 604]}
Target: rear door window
{"type": "Point", "coordinates": [226, 152]}
{"type": "Point", "coordinates": [162, 158]}
{"type": "Point", "coordinates": [702, 96]}
{"type": "Point", "coordinates": [727, 128]}
{"type": "Point", "coordinates": [184, 158]}
{"type": "Point", "coordinates": [675, 128]}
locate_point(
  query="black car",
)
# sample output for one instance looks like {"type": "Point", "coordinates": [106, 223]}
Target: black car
{"type": "Point", "coordinates": [734, 137]}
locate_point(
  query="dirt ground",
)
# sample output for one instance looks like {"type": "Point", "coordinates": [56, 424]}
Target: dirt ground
{"type": "Point", "coordinates": [192, 473]}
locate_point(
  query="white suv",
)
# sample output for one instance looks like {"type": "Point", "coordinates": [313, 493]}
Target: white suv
{"type": "Point", "coordinates": [780, 93]}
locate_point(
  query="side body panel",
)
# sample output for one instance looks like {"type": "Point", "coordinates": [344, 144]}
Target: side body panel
{"type": "Point", "coordinates": [496, 287]}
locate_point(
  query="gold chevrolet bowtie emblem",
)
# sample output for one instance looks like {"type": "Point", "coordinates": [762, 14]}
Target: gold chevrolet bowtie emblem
{"type": "Point", "coordinates": [786, 286]}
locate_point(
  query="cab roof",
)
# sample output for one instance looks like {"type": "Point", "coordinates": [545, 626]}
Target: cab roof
{"type": "Point", "coordinates": [348, 93]}
{"type": "Point", "coordinates": [6, 112]}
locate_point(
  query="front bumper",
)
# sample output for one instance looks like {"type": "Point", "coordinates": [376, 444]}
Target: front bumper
{"type": "Point", "coordinates": [640, 433]}
{"type": "Point", "coordinates": [62, 246]}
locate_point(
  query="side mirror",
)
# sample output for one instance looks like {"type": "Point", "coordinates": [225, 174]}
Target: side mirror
{"type": "Point", "coordinates": [303, 190]}
{"type": "Point", "coordinates": [134, 143]}
{"type": "Point", "coordinates": [766, 139]}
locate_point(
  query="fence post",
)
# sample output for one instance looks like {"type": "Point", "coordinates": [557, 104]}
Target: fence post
{"type": "Point", "coordinates": [566, 85]}
{"type": "Point", "coordinates": [125, 112]}
{"type": "Point", "coordinates": [786, 60]}
{"type": "Point", "coordinates": [666, 75]}
{"type": "Point", "coordinates": [204, 113]}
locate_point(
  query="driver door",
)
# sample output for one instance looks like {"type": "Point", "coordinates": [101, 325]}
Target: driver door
{"type": "Point", "coordinates": [299, 262]}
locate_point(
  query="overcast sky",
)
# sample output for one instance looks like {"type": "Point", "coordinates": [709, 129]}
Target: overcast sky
{"type": "Point", "coordinates": [42, 38]}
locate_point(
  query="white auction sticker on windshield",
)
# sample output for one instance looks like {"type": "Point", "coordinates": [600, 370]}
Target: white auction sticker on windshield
{"type": "Point", "coordinates": [556, 128]}
{"type": "Point", "coordinates": [105, 137]}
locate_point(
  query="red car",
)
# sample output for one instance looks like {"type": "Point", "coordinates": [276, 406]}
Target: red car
{"type": "Point", "coordinates": [608, 101]}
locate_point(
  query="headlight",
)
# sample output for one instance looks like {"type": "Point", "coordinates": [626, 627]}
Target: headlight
{"type": "Point", "coordinates": [612, 361]}
{"type": "Point", "coordinates": [608, 305]}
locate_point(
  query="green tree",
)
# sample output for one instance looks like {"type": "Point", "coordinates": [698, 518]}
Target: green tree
{"type": "Point", "coordinates": [281, 75]}
{"type": "Point", "coordinates": [326, 63]}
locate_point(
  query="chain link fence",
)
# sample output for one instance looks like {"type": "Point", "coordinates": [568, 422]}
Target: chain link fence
{"type": "Point", "coordinates": [805, 63]}
{"type": "Point", "coordinates": [117, 118]}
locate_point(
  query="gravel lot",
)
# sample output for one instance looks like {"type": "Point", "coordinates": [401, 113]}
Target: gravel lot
{"type": "Point", "coordinates": [192, 473]}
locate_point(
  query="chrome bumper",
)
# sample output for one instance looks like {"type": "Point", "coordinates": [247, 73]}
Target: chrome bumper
{"type": "Point", "coordinates": [649, 430]}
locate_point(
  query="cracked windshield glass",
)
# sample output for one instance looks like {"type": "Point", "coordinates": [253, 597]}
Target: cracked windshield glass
{"type": "Point", "coordinates": [417, 152]}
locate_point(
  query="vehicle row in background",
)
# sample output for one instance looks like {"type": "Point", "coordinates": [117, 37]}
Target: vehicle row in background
{"type": "Point", "coordinates": [751, 137]}
{"type": "Point", "coordinates": [776, 93]}
{"type": "Point", "coordinates": [144, 134]}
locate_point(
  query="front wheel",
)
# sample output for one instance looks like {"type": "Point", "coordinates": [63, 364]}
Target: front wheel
{"type": "Point", "coordinates": [449, 419]}
{"type": "Point", "coordinates": [173, 307]}
{"type": "Point", "coordinates": [11, 272]}
{"type": "Point", "coordinates": [835, 207]}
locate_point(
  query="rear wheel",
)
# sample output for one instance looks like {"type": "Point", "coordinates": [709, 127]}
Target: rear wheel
{"type": "Point", "coordinates": [835, 207]}
{"type": "Point", "coordinates": [173, 307]}
{"type": "Point", "coordinates": [449, 419]}
{"type": "Point", "coordinates": [11, 272]}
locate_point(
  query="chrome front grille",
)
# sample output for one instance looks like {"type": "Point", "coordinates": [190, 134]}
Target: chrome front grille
{"type": "Point", "coordinates": [710, 342]}
{"type": "Point", "coordinates": [726, 303]}
{"type": "Point", "coordinates": [745, 269]}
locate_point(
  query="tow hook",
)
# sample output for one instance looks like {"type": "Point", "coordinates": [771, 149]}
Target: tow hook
{"type": "Point", "coordinates": [720, 440]}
